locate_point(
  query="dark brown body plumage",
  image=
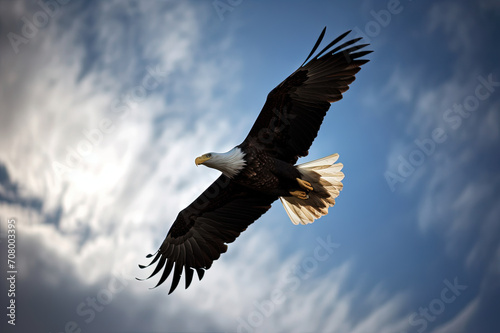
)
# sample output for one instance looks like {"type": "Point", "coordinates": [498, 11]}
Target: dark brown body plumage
{"type": "Point", "coordinates": [266, 173]}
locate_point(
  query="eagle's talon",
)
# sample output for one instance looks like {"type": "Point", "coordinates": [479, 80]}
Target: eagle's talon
{"type": "Point", "coordinates": [300, 194]}
{"type": "Point", "coordinates": [304, 184]}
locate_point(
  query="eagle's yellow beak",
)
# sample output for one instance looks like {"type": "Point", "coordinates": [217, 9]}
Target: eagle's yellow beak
{"type": "Point", "coordinates": [202, 159]}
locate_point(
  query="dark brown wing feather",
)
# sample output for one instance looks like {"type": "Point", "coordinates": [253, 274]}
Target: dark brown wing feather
{"type": "Point", "coordinates": [201, 231]}
{"type": "Point", "coordinates": [294, 110]}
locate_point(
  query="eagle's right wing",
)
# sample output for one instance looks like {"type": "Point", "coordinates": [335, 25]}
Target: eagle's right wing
{"type": "Point", "coordinates": [294, 110]}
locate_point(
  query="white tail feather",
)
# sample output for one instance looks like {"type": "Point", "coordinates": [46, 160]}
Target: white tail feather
{"type": "Point", "coordinates": [326, 180]}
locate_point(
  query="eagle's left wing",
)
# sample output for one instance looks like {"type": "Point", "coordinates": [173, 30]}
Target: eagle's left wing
{"type": "Point", "coordinates": [201, 231]}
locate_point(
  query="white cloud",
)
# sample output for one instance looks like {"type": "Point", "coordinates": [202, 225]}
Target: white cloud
{"type": "Point", "coordinates": [452, 18]}
{"type": "Point", "coordinates": [400, 86]}
{"type": "Point", "coordinates": [460, 322]}
{"type": "Point", "coordinates": [117, 201]}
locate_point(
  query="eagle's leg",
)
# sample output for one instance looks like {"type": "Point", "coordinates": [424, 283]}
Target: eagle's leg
{"type": "Point", "coordinates": [304, 184]}
{"type": "Point", "coordinates": [300, 194]}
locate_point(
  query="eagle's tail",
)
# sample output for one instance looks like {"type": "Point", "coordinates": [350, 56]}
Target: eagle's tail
{"type": "Point", "coordinates": [326, 180]}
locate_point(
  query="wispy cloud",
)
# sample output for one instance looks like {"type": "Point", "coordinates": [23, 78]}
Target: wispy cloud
{"type": "Point", "coordinates": [457, 193]}
{"type": "Point", "coordinates": [453, 19]}
{"type": "Point", "coordinates": [115, 199]}
{"type": "Point", "coordinates": [461, 322]}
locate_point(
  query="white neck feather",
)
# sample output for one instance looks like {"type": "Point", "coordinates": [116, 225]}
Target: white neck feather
{"type": "Point", "coordinates": [229, 163]}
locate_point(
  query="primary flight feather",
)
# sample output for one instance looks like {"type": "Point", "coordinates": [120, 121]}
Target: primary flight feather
{"type": "Point", "coordinates": [262, 168]}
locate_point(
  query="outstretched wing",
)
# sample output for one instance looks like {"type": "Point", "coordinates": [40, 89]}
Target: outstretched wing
{"type": "Point", "coordinates": [294, 110]}
{"type": "Point", "coordinates": [201, 231]}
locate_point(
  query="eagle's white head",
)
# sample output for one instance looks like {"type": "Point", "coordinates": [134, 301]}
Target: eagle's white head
{"type": "Point", "coordinates": [230, 163]}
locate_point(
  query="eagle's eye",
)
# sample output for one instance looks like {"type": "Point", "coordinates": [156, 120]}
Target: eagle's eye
{"type": "Point", "coordinates": [208, 155]}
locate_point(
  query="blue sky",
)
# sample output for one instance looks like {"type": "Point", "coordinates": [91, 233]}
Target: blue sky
{"type": "Point", "coordinates": [105, 105]}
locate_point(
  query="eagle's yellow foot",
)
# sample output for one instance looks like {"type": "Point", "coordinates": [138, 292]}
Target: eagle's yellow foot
{"type": "Point", "coordinates": [304, 184]}
{"type": "Point", "coordinates": [300, 194]}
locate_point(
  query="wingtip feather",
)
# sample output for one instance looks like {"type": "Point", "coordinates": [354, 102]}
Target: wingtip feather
{"type": "Point", "coordinates": [315, 47]}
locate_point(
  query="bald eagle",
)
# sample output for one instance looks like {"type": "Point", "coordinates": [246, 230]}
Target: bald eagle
{"type": "Point", "coordinates": [262, 168]}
